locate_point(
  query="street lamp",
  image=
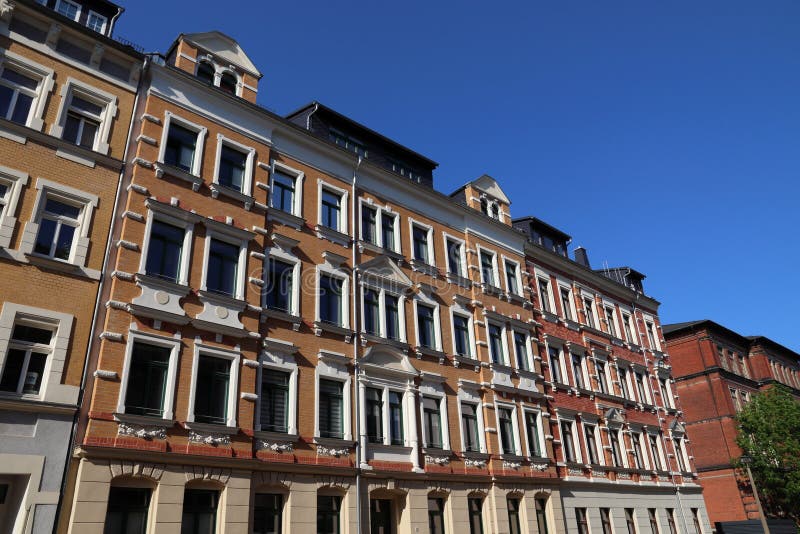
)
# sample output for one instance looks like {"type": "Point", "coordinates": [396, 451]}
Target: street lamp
{"type": "Point", "coordinates": [746, 461]}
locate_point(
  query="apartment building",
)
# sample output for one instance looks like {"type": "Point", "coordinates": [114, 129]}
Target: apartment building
{"type": "Point", "coordinates": [66, 97]}
{"type": "Point", "coordinates": [717, 371]}
{"type": "Point", "coordinates": [622, 452]}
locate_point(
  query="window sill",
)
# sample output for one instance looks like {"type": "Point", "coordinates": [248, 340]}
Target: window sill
{"type": "Point", "coordinates": [519, 299]}
{"type": "Point", "coordinates": [53, 264]}
{"type": "Point", "coordinates": [434, 451]}
{"type": "Point", "coordinates": [476, 455]}
{"type": "Point", "coordinates": [372, 338]}
{"type": "Point", "coordinates": [144, 420]}
{"type": "Point", "coordinates": [268, 435]}
{"type": "Point", "coordinates": [211, 428]}
{"type": "Point", "coordinates": [162, 169]}
{"type": "Point", "coordinates": [422, 267]}
{"type": "Point", "coordinates": [295, 320]}
{"type": "Point", "coordinates": [595, 331]}
{"type": "Point", "coordinates": [467, 360]}
{"type": "Point", "coordinates": [633, 347]}
{"type": "Point", "coordinates": [428, 351]}
{"type": "Point", "coordinates": [334, 443]}
{"type": "Point", "coordinates": [285, 218]}
{"type": "Point", "coordinates": [491, 289]}
{"type": "Point", "coordinates": [322, 326]}
{"type": "Point", "coordinates": [220, 314]}
{"type": "Point", "coordinates": [513, 457]}
{"type": "Point", "coordinates": [459, 280]}
{"type": "Point", "coordinates": [572, 325]}
{"type": "Point", "coordinates": [377, 249]}
{"type": "Point", "coordinates": [218, 189]}
{"type": "Point", "coordinates": [334, 236]}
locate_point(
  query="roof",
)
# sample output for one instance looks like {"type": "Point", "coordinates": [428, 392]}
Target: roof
{"type": "Point", "coordinates": [631, 270]}
{"type": "Point", "coordinates": [761, 340]}
{"type": "Point", "coordinates": [488, 185]}
{"type": "Point", "coordinates": [319, 106]}
{"type": "Point", "coordinates": [704, 324]}
{"type": "Point", "coordinates": [222, 46]}
{"type": "Point", "coordinates": [551, 229]}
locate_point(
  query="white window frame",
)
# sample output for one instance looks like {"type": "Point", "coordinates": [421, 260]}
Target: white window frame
{"type": "Point", "coordinates": [220, 235]}
{"type": "Point", "coordinates": [458, 310]}
{"type": "Point", "coordinates": [437, 324]}
{"type": "Point", "coordinates": [330, 270]}
{"type": "Point", "coordinates": [102, 30]}
{"type": "Point", "coordinates": [625, 312]}
{"type": "Point", "coordinates": [276, 359]}
{"type": "Point", "coordinates": [429, 230]}
{"type": "Point", "coordinates": [298, 176]}
{"type": "Point", "coordinates": [528, 349]}
{"type": "Point", "coordinates": [514, 428]}
{"type": "Point", "coordinates": [681, 449]}
{"type": "Point", "coordinates": [104, 99]}
{"type": "Point", "coordinates": [469, 395]}
{"type": "Point", "coordinates": [175, 217]}
{"type": "Point", "coordinates": [608, 382]}
{"type": "Point", "coordinates": [495, 272]}
{"type": "Point", "coordinates": [171, 343]}
{"type": "Point", "coordinates": [539, 429]}
{"type": "Point", "coordinates": [598, 441]}
{"type": "Point", "coordinates": [588, 296]}
{"type": "Point", "coordinates": [202, 131]}
{"type": "Point", "coordinates": [343, 205]}
{"type": "Point", "coordinates": [542, 275]}
{"type": "Point", "coordinates": [608, 305]}
{"type": "Point", "coordinates": [580, 352]}
{"type": "Point", "coordinates": [559, 346]}
{"type": "Point", "coordinates": [645, 383]}
{"type": "Point", "coordinates": [430, 389]}
{"type": "Point", "coordinates": [649, 319]}
{"type": "Point", "coordinates": [503, 342]}
{"type": "Point", "coordinates": [570, 419]}
{"type": "Point", "coordinates": [517, 275]}
{"type": "Point", "coordinates": [660, 448]}
{"type": "Point", "coordinates": [569, 304]}
{"type": "Point", "coordinates": [462, 254]}
{"type": "Point", "coordinates": [385, 389]}
{"type": "Point", "coordinates": [669, 402]}
{"type": "Point", "coordinates": [14, 181]}
{"type": "Point", "coordinates": [285, 255]}
{"type": "Point", "coordinates": [332, 366]}
{"type": "Point", "coordinates": [30, 68]}
{"type": "Point", "coordinates": [250, 154]}
{"type": "Point", "coordinates": [380, 212]}
{"type": "Point", "coordinates": [234, 357]}
{"type": "Point", "coordinates": [63, 193]}
{"type": "Point", "coordinates": [623, 451]}
{"type": "Point", "coordinates": [382, 292]}
{"type": "Point", "coordinates": [69, 2]}
{"type": "Point", "coordinates": [644, 444]}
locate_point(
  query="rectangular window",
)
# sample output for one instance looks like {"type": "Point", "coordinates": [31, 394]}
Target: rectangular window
{"type": "Point", "coordinates": [223, 264]}
{"type": "Point", "coordinates": [698, 529]}
{"type": "Point", "coordinates": [69, 9]}
{"type": "Point", "coordinates": [735, 399]}
{"type": "Point", "coordinates": [180, 148]}
{"type": "Point", "coordinates": [469, 427]}
{"type": "Point", "coordinates": [591, 443]}
{"type": "Point", "coordinates": [374, 415]}
{"type": "Point", "coordinates": [330, 300]}
{"type": "Point", "coordinates": [17, 93]}
{"type": "Point", "coordinates": [623, 382]}
{"type": "Point", "coordinates": [487, 269]}
{"type": "Point", "coordinates": [274, 400]}
{"type": "Point", "coordinates": [328, 507]}
{"type": "Point", "coordinates": [392, 311]}
{"type": "Point", "coordinates": [432, 419]}
{"type": "Point", "coordinates": [96, 22]}
{"type": "Point", "coordinates": [678, 444]}
{"type": "Point", "coordinates": [331, 209]}
{"type": "Point", "coordinates": [577, 370]}
{"type": "Point", "coordinates": [568, 441]}
{"type": "Point", "coordinates": [654, 452]}
{"type": "Point", "coordinates": [461, 333]}
{"type": "Point", "coordinates": [147, 380]}
{"type": "Point", "coordinates": [211, 390]}
{"type": "Point", "coordinates": [512, 284]}
{"type": "Point", "coordinates": [26, 358]}
{"type": "Point", "coordinates": [369, 224]}
{"type": "Point", "coordinates": [588, 309]}
{"type": "Point", "coordinates": [436, 515]}
{"type": "Point", "coordinates": [638, 457]}
{"type": "Point", "coordinates": [283, 191]}
{"type": "Point", "coordinates": [605, 520]}
{"type": "Point", "coordinates": [513, 515]}
{"type": "Point", "coordinates": [331, 409]}
{"type": "Point", "coordinates": [602, 377]}
{"type": "Point", "coordinates": [372, 319]}
{"type": "Point", "coordinates": [626, 324]}
{"type": "Point", "coordinates": [612, 325]}
{"type": "Point", "coordinates": [505, 417]}
{"type": "Point", "coordinates": [232, 168]}
{"type": "Point", "coordinates": [58, 224]}
{"type": "Point", "coordinates": [419, 238]}
{"type": "Point", "coordinates": [521, 350]}
{"type": "Point", "coordinates": [641, 388]}
{"type": "Point", "coordinates": [673, 529]}
{"type": "Point", "coordinates": [630, 521]}
{"type": "Point", "coordinates": [651, 335]}
{"type": "Point", "coordinates": [544, 294]}
{"type": "Point", "coordinates": [199, 511]}
{"type": "Point", "coordinates": [580, 519]}
{"type": "Point", "coordinates": [454, 264]}
{"type": "Point", "coordinates": [396, 418]}
{"type": "Point", "coordinates": [164, 251]}
{"type": "Point", "coordinates": [425, 326]}
{"type": "Point", "coordinates": [532, 428]}
{"type": "Point", "coordinates": [541, 515]}
{"type": "Point", "coordinates": [743, 366]}
{"type": "Point", "coordinates": [127, 511]}
{"type": "Point", "coordinates": [566, 303]}
{"type": "Point", "coordinates": [616, 450]}
{"type": "Point", "coordinates": [280, 285]}
{"type": "Point", "coordinates": [388, 240]}
{"type": "Point", "coordinates": [555, 364]}
{"type": "Point", "coordinates": [475, 506]}
{"type": "Point", "coordinates": [666, 396]}
{"type": "Point", "coordinates": [651, 513]}
{"type": "Point", "coordinates": [496, 344]}
{"type": "Point", "coordinates": [268, 513]}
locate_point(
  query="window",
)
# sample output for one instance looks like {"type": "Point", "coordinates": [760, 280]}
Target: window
{"type": "Point", "coordinates": [580, 518]}
{"type": "Point", "coordinates": [743, 366]}
{"type": "Point", "coordinates": [505, 418]}
{"type": "Point", "coordinates": [425, 326]}
{"type": "Point", "coordinates": [205, 72]}
{"type": "Point", "coordinates": [164, 251]}
{"type": "Point", "coordinates": [696, 521]}
{"type": "Point", "coordinates": [602, 376]}
{"type": "Point", "coordinates": [469, 427]}
{"type": "Point", "coordinates": [513, 515]}
{"type": "Point", "coordinates": [432, 419]}
{"type": "Point", "coordinates": [630, 520]}
{"type": "Point", "coordinates": [388, 237]}
{"type": "Point", "coordinates": [487, 269]}
{"type": "Point", "coordinates": [588, 309]}
{"type": "Point", "coordinates": [641, 388]}
{"type": "Point", "coordinates": [374, 415]}
{"type": "Point", "coordinates": [455, 261]}
{"type": "Point", "coordinates": [475, 508]}
{"type": "Point", "coordinates": [127, 511]}
{"type": "Point", "coordinates": [568, 441]}
{"type": "Point", "coordinates": [577, 370]}
{"type": "Point", "coordinates": [420, 244]}
{"type": "Point", "coordinates": [521, 350]}
{"type": "Point", "coordinates": [611, 321]}
{"type": "Point", "coordinates": [544, 295]}
{"type": "Point", "coordinates": [651, 335]}
{"type": "Point", "coordinates": [512, 277]}
{"type": "Point", "coordinates": [211, 390]}
{"type": "Point", "coordinates": [381, 314]}
{"type": "Point", "coordinates": [651, 513]}
{"type": "Point", "coordinates": [666, 393]}
{"type": "Point", "coordinates": [228, 82]}
{"type": "Point", "coordinates": [496, 350]}
{"type": "Point", "coordinates": [223, 266]}
{"type": "Point", "coordinates": [26, 359]}
{"type": "Point", "coordinates": [378, 227]}
{"type": "Point", "coordinates": [147, 379]}
{"type": "Point", "coordinates": [280, 285]}
{"type": "Point", "coordinates": [369, 224]}
{"type": "Point", "coordinates": [392, 311]}
{"type": "Point", "coordinates": [461, 336]}
{"type": "Point", "coordinates": [330, 299]}
{"type": "Point", "coordinates": [605, 520]}
{"type": "Point", "coordinates": [590, 432]}
{"type": "Point", "coordinates": [616, 450]}
{"type": "Point", "coordinates": [371, 312]}
{"type": "Point", "coordinates": [274, 400]}
{"type": "Point", "coordinates": [396, 418]}
{"type": "Point", "coordinates": [638, 457]}
{"type": "Point", "coordinates": [555, 364]}
{"type": "Point", "coordinates": [180, 148]}
{"type": "Point", "coordinates": [331, 400]}
{"type": "Point", "coordinates": [199, 511]}
{"type": "Point", "coordinates": [58, 223]}
{"type": "Point", "coordinates": [18, 92]}
{"type": "Point", "coordinates": [328, 507]}
{"type": "Point", "coordinates": [540, 504]}
{"type": "Point", "coordinates": [566, 303]}
{"type": "Point", "coordinates": [268, 513]}
{"type": "Point", "coordinates": [348, 143]}
{"type": "Point", "coordinates": [655, 452]}
{"type": "Point", "coordinates": [436, 515]}
{"type": "Point", "coordinates": [623, 382]}
{"type": "Point", "coordinates": [532, 431]}
{"type": "Point", "coordinates": [96, 22]}
{"type": "Point", "coordinates": [679, 454]}
{"type": "Point", "coordinates": [232, 168]}
{"type": "Point", "coordinates": [628, 326]}
{"type": "Point", "coordinates": [69, 9]}
{"type": "Point", "coordinates": [331, 210]}
{"type": "Point", "coordinates": [283, 192]}
{"type": "Point", "coordinates": [673, 529]}
{"type": "Point", "coordinates": [82, 122]}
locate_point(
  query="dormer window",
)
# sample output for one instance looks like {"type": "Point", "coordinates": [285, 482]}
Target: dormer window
{"type": "Point", "coordinates": [228, 82]}
{"type": "Point", "coordinates": [490, 208]}
{"type": "Point", "coordinates": [212, 74]}
{"type": "Point", "coordinates": [348, 143]}
{"type": "Point", "coordinates": [205, 72]}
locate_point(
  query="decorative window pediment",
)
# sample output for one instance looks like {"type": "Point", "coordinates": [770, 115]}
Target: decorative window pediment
{"type": "Point", "coordinates": [383, 271]}
{"type": "Point", "coordinates": [614, 416]}
{"type": "Point", "coordinates": [388, 360]}
{"type": "Point", "coordinates": [676, 427]}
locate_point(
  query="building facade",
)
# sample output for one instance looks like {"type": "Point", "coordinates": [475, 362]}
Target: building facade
{"type": "Point", "coordinates": [66, 98]}
{"type": "Point", "coordinates": [717, 371]}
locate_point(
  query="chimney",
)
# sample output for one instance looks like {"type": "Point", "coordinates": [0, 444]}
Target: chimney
{"type": "Point", "coordinates": [582, 257]}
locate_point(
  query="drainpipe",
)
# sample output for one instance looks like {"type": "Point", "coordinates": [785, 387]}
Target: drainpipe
{"type": "Point", "coordinates": [100, 289]}
{"type": "Point", "coordinates": [114, 20]}
{"type": "Point", "coordinates": [356, 335]}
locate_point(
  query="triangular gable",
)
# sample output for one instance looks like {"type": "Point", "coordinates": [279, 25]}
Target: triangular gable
{"type": "Point", "coordinates": [220, 45]}
{"type": "Point", "coordinates": [677, 427]}
{"type": "Point", "coordinates": [489, 185]}
{"type": "Point", "coordinates": [613, 415]}
{"type": "Point", "coordinates": [385, 271]}
{"type": "Point", "coordinates": [387, 359]}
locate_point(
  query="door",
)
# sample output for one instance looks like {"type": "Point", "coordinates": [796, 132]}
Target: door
{"type": "Point", "coordinates": [380, 514]}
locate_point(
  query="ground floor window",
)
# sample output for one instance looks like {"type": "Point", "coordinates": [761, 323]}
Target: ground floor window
{"type": "Point", "coordinates": [268, 513]}
{"type": "Point", "coordinates": [436, 515]}
{"type": "Point", "coordinates": [541, 514]}
{"type": "Point", "coordinates": [127, 511]}
{"type": "Point", "coordinates": [475, 505]}
{"type": "Point", "coordinates": [199, 511]}
{"type": "Point", "coordinates": [328, 507]}
{"type": "Point", "coordinates": [513, 515]}
{"type": "Point", "coordinates": [380, 516]}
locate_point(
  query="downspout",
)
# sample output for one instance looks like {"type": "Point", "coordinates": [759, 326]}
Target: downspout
{"type": "Point", "coordinates": [114, 22]}
{"type": "Point", "coordinates": [100, 289]}
{"type": "Point", "coordinates": [357, 330]}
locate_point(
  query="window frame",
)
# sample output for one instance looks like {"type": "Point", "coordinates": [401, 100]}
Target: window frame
{"type": "Point", "coordinates": [108, 101]}
{"type": "Point", "coordinates": [104, 26]}
{"type": "Point", "coordinates": [326, 269]}
{"type": "Point", "coordinates": [550, 306]}
{"type": "Point", "coordinates": [506, 261]}
{"type": "Point", "coordinates": [380, 213]}
{"type": "Point", "coordinates": [202, 133]}
{"type": "Point", "coordinates": [174, 217]}
{"type": "Point", "coordinates": [218, 234]}
{"type": "Point", "coordinates": [528, 357]}
{"type": "Point", "coordinates": [14, 181]}
{"type": "Point", "coordinates": [540, 436]}
{"type": "Point", "coordinates": [278, 356]}
{"type": "Point", "coordinates": [383, 292]}
{"type": "Point", "coordinates": [285, 255]}
{"type": "Point", "coordinates": [629, 326]}
{"type": "Point", "coordinates": [45, 75]}
{"type": "Point", "coordinates": [431, 259]}
{"type": "Point", "coordinates": [343, 194]}
{"type": "Point", "coordinates": [462, 256]}
{"type": "Point", "coordinates": [515, 435]}
{"type": "Point", "coordinates": [495, 281]}
{"type": "Point", "coordinates": [559, 348]}
{"type": "Point", "coordinates": [432, 387]}
{"type": "Point", "coordinates": [576, 447]}
{"type": "Point", "coordinates": [584, 382]}
{"type": "Point", "coordinates": [470, 396]}
{"type": "Point", "coordinates": [598, 442]}
{"type": "Point", "coordinates": [333, 366]}
{"type": "Point", "coordinates": [234, 358]}
{"type": "Point", "coordinates": [460, 311]}
{"type": "Point", "coordinates": [174, 345]}
{"type": "Point", "coordinates": [425, 300]}
{"type": "Point", "coordinates": [568, 306]}
{"type": "Point", "coordinates": [76, 5]}
{"type": "Point", "coordinates": [616, 430]}
{"type": "Point", "coordinates": [589, 306]}
{"type": "Point", "coordinates": [613, 325]}
{"type": "Point", "coordinates": [297, 197]}
{"type": "Point", "coordinates": [247, 177]}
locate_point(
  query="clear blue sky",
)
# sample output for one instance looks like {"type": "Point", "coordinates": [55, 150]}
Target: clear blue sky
{"type": "Point", "coordinates": [660, 135]}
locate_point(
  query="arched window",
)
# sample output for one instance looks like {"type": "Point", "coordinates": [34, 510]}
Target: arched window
{"type": "Point", "coordinates": [205, 72]}
{"type": "Point", "coordinates": [485, 206]}
{"type": "Point", "coordinates": [228, 83]}
{"type": "Point", "coordinates": [495, 211]}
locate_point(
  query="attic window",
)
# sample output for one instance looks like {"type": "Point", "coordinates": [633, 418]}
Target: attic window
{"type": "Point", "coordinates": [205, 72]}
{"type": "Point", "coordinates": [490, 209]}
{"type": "Point", "coordinates": [348, 143]}
{"type": "Point", "coordinates": [209, 73]}
{"type": "Point", "coordinates": [227, 83]}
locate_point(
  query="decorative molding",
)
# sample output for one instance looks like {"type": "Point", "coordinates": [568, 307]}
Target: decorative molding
{"type": "Point", "coordinates": [108, 375]}
{"type": "Point", "coordinates": [332, 451]}
{"type": "Point", "coordinates": [209, 438]}
{"type": "Point", "coordinates": [475, 462]}
{"type": "Point", "coordinates": [150, 118]}
{"type": "Point", "coordinates": [133, 215]}
{"type": "Point", "coordinates": [142, 190]}
{"type": "Point", "coordinates": [509, 464]}
{"type": "Point", "coordinates": [249, 396]}
{"type": "Point", "coordinates": [276, 446]}
{"type": "Point", "coordinates": [437, 460]}
{"type": "Point", "coordinates": [120, 468]}
{"type": "Point", "coordinates": [143, 163]}
{"type": "Point", "coordinates": [130, 245]}
{"type": "Point", "coordinates": [142, 431]}
{"type": "Point", "coordinates": [198, 472]}
{"type": "Point", "coordinates": [539, 467]}
{"type": "Point", "coordinates": [112, 336]}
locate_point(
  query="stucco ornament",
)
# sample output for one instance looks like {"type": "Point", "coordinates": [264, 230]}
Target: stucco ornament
{"type": "Point", "coordinates": [437, 460]}
{"type": "Point", "coordinates": [276, 446]}
{"type": "Point", "coordinates": [142, 432]}
{"type": "Point", "coordinates": [6, 8]}
{"type": "Point", "coordinates": [332, 451]}
{"type": "Point", "coordinates": [209, 438]}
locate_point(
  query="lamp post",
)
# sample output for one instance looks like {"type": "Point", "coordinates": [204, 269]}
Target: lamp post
{"type": "Point", "coordinates": [747, 460]}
